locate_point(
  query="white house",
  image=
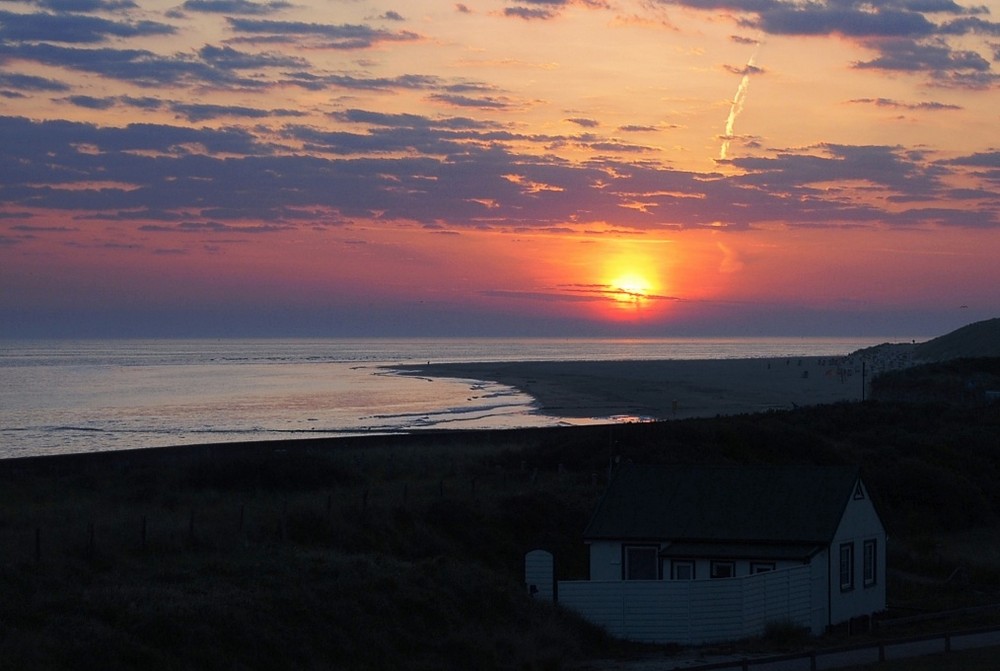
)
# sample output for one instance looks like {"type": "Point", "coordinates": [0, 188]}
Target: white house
{"type": "Point", "coordinates": [702, 554]}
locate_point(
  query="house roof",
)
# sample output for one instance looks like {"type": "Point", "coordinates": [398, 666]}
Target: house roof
{"type": "Point", "coordinates": [793, 504]}
{"type": "Point", "coordinates": [733, 550]}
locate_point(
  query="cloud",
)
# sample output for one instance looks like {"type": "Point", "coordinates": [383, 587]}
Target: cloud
{"type": "Point", "coordinates": [529, 14]}
{"type": "Point", "coordinates": [201, 112]}
{"type": "Point", "coordinates": [90, 102]}
{"type": "Point", "coordinates": [481, 102]}
{"type": "Point", "coordinates": [242, 7]}
{"type": "Point", "coordinates": [229, 58]}
{"type": "Point", "coordinates": [211, 227]}
{"type": "Point", "coordinates": [637, 128]}
{"type": "Point", "coordinates": [894, 104]}
{"type": "Point", "coordinates": [342, 36]}
{"type": "Point", "coordinates": [87, 5]}
{"type": "Point", "coordinates": [140, 67]}
{"type": "Point", "coordinates": [453, 172]}
{"type": "Point", "coordinates": [45, 229]}
{"type": "Point", "coordinates": [848, 21]}
{"type": "Point", "coordinates": [586, 123]}
{"type": "Point", "coordinates": [908, 35]}
{"type": "Point", "coordinates": [73, 28]}
{"type": "Point", "coordinates": [903, 55]}
{"type": "Point", "coordinates": [22, 82]}
{"type": "Point", "coordinates": [404, 120]}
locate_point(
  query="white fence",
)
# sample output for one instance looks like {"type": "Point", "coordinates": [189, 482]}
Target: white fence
{"type": "Point", "coordinates": [692, 611]}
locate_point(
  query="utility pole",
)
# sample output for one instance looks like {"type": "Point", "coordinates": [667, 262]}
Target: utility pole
{"type": "Point", "coordinates": [863, 381]}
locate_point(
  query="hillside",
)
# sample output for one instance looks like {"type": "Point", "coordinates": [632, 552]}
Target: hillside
{"type": "Point", "coordinates": [406, 551]}
{"type": "Point", "coordinates": [977, 340]}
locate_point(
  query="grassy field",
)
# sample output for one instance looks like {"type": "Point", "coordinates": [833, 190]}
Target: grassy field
{"type": "Point", "coordinates": [406, 552]}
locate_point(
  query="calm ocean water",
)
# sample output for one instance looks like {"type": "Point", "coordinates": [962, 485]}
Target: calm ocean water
{"type": "Point", "coordinates": [83, 396]}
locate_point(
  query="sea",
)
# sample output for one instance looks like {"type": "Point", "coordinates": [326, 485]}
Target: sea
{"type": "Point", "coordinates": [68, 396]}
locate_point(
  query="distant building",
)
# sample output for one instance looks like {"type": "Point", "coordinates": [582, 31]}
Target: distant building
{"type": "Point", "coordinates": [700, 554]}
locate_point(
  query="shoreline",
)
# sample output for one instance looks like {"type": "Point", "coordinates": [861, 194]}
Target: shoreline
{"type": "Point", "coordinates": [615, 391]}
{"type": "Point", "coordinates": [666, 389]}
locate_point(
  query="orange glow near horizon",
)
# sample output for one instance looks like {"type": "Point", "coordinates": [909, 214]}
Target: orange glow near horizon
{"type": "Point", "coordinates": [451, 168]}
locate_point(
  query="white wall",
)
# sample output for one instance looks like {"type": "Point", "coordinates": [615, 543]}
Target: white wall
{"type": "Point", "coordinates": [860, 523]}
{"type": "Point", "coordinates": [539, 575]}
{"type": "Point", "coordinates": [606, 563]}
{"type": "Point", "coordinates": [605, 560]}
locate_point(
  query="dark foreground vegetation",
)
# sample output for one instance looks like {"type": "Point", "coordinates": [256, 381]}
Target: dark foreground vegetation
{"type": "Point", "coordinates": [406, 552]}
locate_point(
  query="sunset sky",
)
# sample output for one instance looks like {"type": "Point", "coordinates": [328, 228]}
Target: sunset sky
{"type": "Point", "coordinates": [531, 167]}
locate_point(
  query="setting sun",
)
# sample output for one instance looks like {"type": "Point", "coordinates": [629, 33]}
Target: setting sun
{"type": "Point", "coordinates": [631, 283]}
{"type": "Point", "coordinates": [630, 288]}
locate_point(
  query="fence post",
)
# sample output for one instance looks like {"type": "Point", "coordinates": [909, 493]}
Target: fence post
{"type": "Point", "coordinates": [142, 535]}
{"type": "Point", "coordinates": [38, 544]}
{"type": "Point", "coordinates": [90, 539]}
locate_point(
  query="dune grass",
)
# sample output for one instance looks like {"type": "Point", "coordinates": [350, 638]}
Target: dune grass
{"type": "Point", "coordinates": [407, 552]}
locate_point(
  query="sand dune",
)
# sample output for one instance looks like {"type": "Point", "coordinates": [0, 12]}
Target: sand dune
{"type": "Point", "coordinates": [665, 389]}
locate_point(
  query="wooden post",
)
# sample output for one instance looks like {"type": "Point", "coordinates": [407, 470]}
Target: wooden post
{"type": "Point", "coordinates": [90, 539]}
{"type": "Point", "coordinates": [191, 527]}
{"type": "Point", "coordinates": [284, 521]}
{"type": "Point", "coordinates": [242, 516]}
{"type": "Point", "coordinates": [38, 544]}
{"type": "Point", "coordinates": [142, 544]}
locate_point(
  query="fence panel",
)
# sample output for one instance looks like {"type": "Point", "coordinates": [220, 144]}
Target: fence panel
{"type": "Point", "coordinates": [691, 612]}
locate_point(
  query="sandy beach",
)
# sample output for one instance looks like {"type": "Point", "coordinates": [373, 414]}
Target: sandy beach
{"type": "Point", "coordinates": [668, 389]}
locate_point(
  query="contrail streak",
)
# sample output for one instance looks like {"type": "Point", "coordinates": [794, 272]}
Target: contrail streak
{"type": "Point", "coordinates": [739, 100]}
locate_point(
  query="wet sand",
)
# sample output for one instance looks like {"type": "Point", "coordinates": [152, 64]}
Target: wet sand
{"type": "Point", "coordinates": [665, 389]}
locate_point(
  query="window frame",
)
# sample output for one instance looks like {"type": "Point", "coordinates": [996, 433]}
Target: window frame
{"type": "Point", "coordinates": [716, 564]}
{"type": "Point", "coordinates": [870, 562]}
{"type": "Point", "coordinates": [678, 563]}
{"type": "Point", "coordinates": [626, 565]}
{"type": "Point", "coordinates": [846, 567]}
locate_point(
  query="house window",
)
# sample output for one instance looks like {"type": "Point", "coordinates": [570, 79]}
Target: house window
{"type": "Point", "coordinates": [871, 555]}
{"type": "Point", "coordinates": [761, 567]}
{"type": "Point", "coordinates": [846, 567]}
{"type": "Point", "coordinates": [682, 569]}
{"type": "Point", "coordinates": [723, 569]}
{"type": "Point", "coordinates": [641, 562]}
